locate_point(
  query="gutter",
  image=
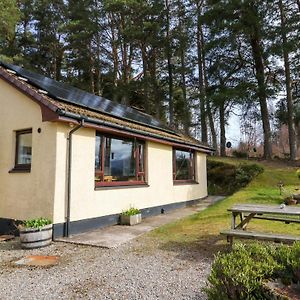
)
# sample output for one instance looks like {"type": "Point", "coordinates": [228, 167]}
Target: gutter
{"type": "Point", "coordinates": [69, 176]}
{"type": "Point", "coordinates": [136, 131]}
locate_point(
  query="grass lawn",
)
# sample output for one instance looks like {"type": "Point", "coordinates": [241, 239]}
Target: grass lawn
{"type": "Point", "coordinates": [202, 229]}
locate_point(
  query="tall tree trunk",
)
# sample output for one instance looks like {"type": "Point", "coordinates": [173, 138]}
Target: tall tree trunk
{"type": "Point", "coordinates": [208, 104]}
{"type": "Point", "coordinates": [257, 53]}
{"type": "Point", "coordinates": [298, 3]}
{"type": "Point", "coordinates": [146, 79]}
{"type": "Point", "coordinates": [202, 91]}
{"type": "Point", "coordinates": [289, 97]}
{"type": "Point", "coordinates": [114, 52]}
{"type": "Point", "coordinates": [222, 129]}
{"type": "Point", "coordinates": [186, 120]}
{"type": "Point", "coordinates": [169, 62]}
{"type": "Point", "coordinates": [182, 48]}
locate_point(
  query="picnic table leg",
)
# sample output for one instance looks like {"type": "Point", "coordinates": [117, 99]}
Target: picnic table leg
{"type": "Point", "coordinates": [233, 220]}
{"type": "Point", "coordinates": [230, 239]}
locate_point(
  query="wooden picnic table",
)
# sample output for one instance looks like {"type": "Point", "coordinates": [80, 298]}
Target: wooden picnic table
{"type": "Point", "coordinates": [246, 212]}
{"type": "Point", "coordinates": [258, 211]}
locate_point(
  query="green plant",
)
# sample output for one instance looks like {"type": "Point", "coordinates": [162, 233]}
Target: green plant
{"type": "Point", "coordinates": [226, 178]}
{"type": "Point", "coordinates": [239, 154]}
{"type": "Point", "coordinates": [131, 211]}
{"type": "Point", "coordinates": [240, 273]}
{"type": "Point", "coordinates": [36, 223]}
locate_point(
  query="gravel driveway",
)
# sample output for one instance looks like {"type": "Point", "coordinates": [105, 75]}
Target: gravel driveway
{"type": "Point", "coordinates": [140, 269]}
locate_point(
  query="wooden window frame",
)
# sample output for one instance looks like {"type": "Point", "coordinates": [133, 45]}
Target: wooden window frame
{"type": "Point", "coordinates": [19, 168]}
{"type": "Point", "coordinates": [138, 173]}
{"type": "Point", "coordinates": [192, 168]}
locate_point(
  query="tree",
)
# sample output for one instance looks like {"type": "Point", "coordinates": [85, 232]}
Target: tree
{"type": "Point", "coordinates": [288, 83]}
{"type": "Point", "coordinates": [9, 16]}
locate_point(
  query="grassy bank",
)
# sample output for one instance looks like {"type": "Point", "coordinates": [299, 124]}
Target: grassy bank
{"type": "Point", "coordinates": [203, 229]}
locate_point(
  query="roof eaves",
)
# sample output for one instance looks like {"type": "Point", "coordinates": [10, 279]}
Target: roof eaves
{"type": "Point", "coordinates": [136, 131]}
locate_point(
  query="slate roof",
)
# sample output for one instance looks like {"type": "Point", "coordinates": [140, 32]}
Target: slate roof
{"type": "Point", "coordinates": [64, 100]}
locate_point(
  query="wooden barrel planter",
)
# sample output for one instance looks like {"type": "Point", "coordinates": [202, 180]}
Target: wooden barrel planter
{"type": "Point", "coordinates": [36, 237]}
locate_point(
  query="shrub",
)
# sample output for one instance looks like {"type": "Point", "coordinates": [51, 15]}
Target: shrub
{"type": "Point", "coordinates": [246, 172]}
{"type": "Point", "coordinates": [224, 178]}
{"type": "Point", "coordinates": [241, 273]}
{"type": "Point", "coordinates": [240, 154]}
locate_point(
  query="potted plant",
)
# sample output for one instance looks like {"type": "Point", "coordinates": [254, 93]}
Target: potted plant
{"type": "Point", "coordinates": [35, 233]}
{"type": "Point", "coordinates": [131, 216]}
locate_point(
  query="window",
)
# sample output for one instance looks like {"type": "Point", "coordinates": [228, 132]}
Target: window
{"type": "Point", "coordinates": [23, 150]}
{"type": "Point", "coordinates": [119, 161]}
{"type": "Point", "coordinates": [183, 165]}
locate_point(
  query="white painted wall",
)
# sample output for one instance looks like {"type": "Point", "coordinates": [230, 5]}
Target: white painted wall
{"type": "Point", "coordinates": [86, 202]}
{"type": "Point", "coordinates": [25, 195]}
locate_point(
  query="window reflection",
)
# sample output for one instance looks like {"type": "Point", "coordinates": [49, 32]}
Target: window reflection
{"type": "Point", "coordinates": [123, 159]}
{"type": "Point", "coordinates": [24, 148]}
{"type": "Point", "coordinates": [184, 165]}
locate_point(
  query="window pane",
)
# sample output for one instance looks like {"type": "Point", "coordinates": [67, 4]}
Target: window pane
{"type": "Point", "coordinates": [97, 152]}
{"type": "Point", "coordinates": [24, 143]}
{"type": "Point", "coordinates": [141, 162]}
{"type": "Point", "coordinates": [184, 161]}
{"type": "Point", "coordinates": [119, 163]}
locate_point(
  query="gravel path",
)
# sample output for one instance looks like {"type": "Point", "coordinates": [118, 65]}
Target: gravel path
{"type": "Point", "coordinates": [137, 270]}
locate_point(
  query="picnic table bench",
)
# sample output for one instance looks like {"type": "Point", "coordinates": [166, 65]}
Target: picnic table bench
{"type": "Point", "coordinates": [246, 212]}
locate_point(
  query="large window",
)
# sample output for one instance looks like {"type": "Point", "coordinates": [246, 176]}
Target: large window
{"type": "Point", "coordinates": [23, 150]}
{"type": "Point", "coordinates": [119, 161]}
{"type": "Point", "coordinates": [183, 165]}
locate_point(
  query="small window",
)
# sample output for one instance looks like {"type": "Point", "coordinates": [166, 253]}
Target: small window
{"type": "Point", "coordinates": [119, 161]}
{"type": "Point", "coordinates": [183, 165]}
{"type": "Point", "coordinates": [23, 150]}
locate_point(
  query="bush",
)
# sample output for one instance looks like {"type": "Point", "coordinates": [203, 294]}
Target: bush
{"type": "Point", "coordinates": [240, 154]}
{"type": "Point", "coordinates": [246, 172]}
{"type": "Point", "coordinates": [241, 273]}
{"type": "Point", "coordinates": [225, 179]}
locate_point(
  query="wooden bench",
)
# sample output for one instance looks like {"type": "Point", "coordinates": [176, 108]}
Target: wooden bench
{"type": "Point", "coordinates": [277, 238]}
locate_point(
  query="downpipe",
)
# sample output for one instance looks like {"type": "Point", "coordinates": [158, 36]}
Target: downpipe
{"type": "Point", "coordinates": [69, 176]}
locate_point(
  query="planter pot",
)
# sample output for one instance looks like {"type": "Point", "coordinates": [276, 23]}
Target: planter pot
{"type": "Point", "coordinates": [131, 220]}
{"type": "Point", "coordinates": [36, 237]}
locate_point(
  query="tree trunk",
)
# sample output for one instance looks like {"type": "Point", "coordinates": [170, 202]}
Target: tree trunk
{"type": "Point", "coordinates": [202, 91]}
{"type": "Point", "coordinates": [298, 3]}
{"type": "Point", "coordinates": [262, 94]}
{"type": "Point", "coordinates": [169, 62]}
{"type": "Point", "coordinates": [208, 107]}
{"type": "Point", "coordinates": [146, 80]}
{"type": "Point", "coordinates": [291, 129]}
{"type": "Point", "coordinates": [222, 129]}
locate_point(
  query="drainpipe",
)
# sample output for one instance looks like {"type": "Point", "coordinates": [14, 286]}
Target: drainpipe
{"type": "Point", "coordinates": [69, 176]}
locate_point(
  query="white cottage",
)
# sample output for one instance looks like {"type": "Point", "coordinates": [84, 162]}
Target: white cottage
{"type": "Point", "coordinates": [81, 160]}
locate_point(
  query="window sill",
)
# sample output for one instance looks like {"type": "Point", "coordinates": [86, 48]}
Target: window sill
{"type": "Point", "coordinates": [120, 184]}
{"type": "Point", "coordinates": [20, 170]}
{"type": "Point", "coordinates": [184, 182]}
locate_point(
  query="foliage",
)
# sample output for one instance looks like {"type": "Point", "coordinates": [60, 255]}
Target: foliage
{"type": "Point", "coordinates": [240, 273]}
{"type": "Point", "coordinates": [239, 154]}
{"type": "Point", "coordinates": [36, 223]}
{"type": "Point", "coordinates": [225, 178]}
{"type": "Point", "coordinates": [9, 16]}
{"type": "Point", "coordinates": [190, 62]}
{"type": "Point", "coordinates": [131, 211]}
